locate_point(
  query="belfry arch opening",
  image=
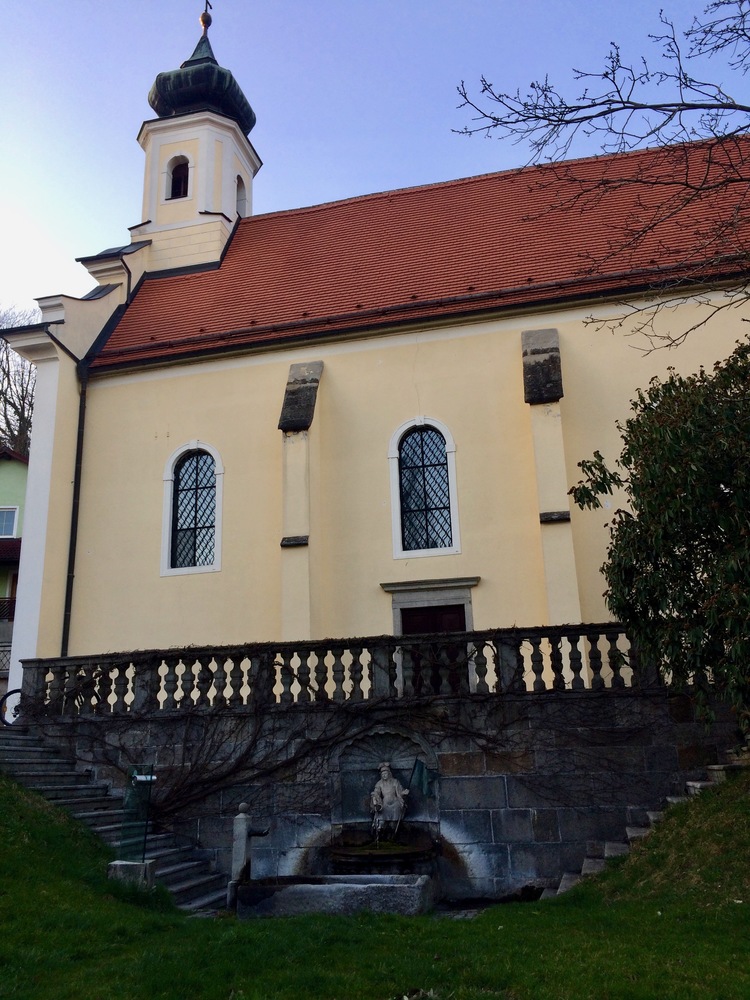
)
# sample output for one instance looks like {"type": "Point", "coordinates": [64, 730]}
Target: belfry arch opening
{"type": "Point", "coordinates": [241, 198]}
{"type": "Point", "coordinates": [178, 178]}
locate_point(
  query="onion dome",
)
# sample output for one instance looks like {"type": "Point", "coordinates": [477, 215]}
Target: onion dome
{"type": "Point", "coordinates": [201, 84]}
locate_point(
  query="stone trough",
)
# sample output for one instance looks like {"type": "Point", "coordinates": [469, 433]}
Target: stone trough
{"type": "Point", "coordinates": [408, 895]}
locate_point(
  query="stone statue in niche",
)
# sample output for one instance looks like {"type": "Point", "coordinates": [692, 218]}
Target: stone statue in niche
{"type": "Point", "coordinates": [387, 803]}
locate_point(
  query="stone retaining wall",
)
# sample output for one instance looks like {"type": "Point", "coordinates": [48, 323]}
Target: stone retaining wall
{"type": "Point", "coordinates": [513, 787]}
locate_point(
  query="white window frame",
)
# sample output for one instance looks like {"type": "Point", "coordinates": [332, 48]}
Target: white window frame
{"type": "Point", "coordinates": [14, 529]}
{"type": "Point", "coordinates": [399, 552]}
{"type": "Point", "coordinates": [166, 529]}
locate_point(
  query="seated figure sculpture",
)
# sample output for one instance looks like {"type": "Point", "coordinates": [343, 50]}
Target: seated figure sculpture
{"type": "Point", "coordinates": [387, 803]}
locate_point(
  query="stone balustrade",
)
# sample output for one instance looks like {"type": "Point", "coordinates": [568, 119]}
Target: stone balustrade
{"type": "Point", "coordinates": [492, 662]}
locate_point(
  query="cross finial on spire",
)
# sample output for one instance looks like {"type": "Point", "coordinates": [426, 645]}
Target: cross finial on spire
{"type": "Point", "coordinates": [206, 18]}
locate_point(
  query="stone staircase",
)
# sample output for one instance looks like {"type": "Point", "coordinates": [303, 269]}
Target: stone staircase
{"type": "Point", "coordinates": [640, 823]}
{"type": "Point", "coordinates": [185, 870]}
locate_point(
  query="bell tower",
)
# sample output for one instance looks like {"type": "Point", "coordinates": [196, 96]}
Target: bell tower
{"type": "Point", "coordinates": [200, 163]}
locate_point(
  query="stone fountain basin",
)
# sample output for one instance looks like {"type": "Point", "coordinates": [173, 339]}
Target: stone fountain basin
{"type": "Point", "coordinates": [408, 895]}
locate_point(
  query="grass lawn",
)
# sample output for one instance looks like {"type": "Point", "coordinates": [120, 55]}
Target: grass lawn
{"type": "Point", "coordinates": [670, 921]}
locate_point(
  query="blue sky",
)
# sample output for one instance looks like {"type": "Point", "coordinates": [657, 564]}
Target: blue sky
{"type": "Point", "coordinates": [352, 96]}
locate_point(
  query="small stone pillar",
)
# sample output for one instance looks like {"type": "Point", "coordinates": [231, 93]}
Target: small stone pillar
{"type": "Point", "coordinates": [133, 872]}
{"type": "Point", "coordinates": [242, 831]}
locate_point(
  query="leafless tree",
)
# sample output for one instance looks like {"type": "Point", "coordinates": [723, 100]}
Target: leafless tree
{"type": "Point", "coordinates": [17, 384]}
{"type": "Point", "coordinates": [700, 174]}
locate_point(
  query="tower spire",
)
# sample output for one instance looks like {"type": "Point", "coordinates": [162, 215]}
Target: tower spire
{"type": "Point", "coordinates": [201, 84]}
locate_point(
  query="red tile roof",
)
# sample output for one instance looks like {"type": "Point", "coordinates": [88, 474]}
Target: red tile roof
{"type": "Point", "coordinates": [511, 240]}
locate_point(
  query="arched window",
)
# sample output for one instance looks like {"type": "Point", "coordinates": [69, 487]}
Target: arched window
{"type": "Point", "coordinates": [192, 511]}
{"type": "Point", "coordinates": [423, 490]}
{"type": "Point", "coordinates": [241, 198]}
{"type": "Point", "coordinates": [178, 177]}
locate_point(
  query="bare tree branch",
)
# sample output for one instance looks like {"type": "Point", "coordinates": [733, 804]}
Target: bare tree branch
{"type": "Point", "coordinates": [17, 384]}
{"type": "Point", "coordinates": [695, 179]}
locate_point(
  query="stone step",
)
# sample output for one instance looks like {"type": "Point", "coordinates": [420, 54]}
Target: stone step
{"type": "Point", "coordinates": [187, 875]}
{"type": "Point", "coordinates": [197, 887]}
{"type": "Point", "coordinates": [26, 744]}
{"type": "Point", "coordinates": [211, 902]}
{"type": "Point", "coordinates": [12, 740]}
{"type": "Point", "coordinates": [676, 800]}
{"type": "Point", "coordinates": [92, 816]}
{"type": "Point", "coordinates": [592, 866]}
{"type": "Point", "coordinates": [635, 833]}
{"type": "Point", "coordinates": [54, 793]}
{"type": "Point", "coordinates": [595, 849]}
{"type": "Point", "coordinates": [177, 869]}
{"type": "Point", "coordinates": [655, 816]}
{"type": "Point", "coordinates": [696, 787]}
{"type": "Point", "coordinates": [83, 808]}
{"type": "Point", "coordinates": [614, 849]}
{"type": "Point", "coordinates": [44, 776]}
{"type": "Point", "coordinates": [160, 843]}
{"type": "Point", "coordinates": [111, 830]}
{"type": "Point", "coordinates": [637, 816]}
{"type": "Point", "coordinates": [548, 894]}
{"type": "Point", "coordinates": [168, 853]}
{"type": "Point", "coordinates": [567, 882]}
{"type": "Point", "coordinates": [32, 764]}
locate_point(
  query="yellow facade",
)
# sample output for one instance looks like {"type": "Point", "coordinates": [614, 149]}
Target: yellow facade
{"type": "Point", "coordinates": [466, 376]}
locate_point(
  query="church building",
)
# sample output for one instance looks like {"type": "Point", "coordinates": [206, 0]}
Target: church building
{"type": "Point", "coordinates": [353, 419]}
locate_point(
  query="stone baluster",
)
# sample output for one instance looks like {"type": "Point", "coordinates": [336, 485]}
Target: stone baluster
{"type": "Point", "coordinates": [439, 669]}
{"type": "Point", "coordinates": [285, 677]}
{"type": "Point", "coordinates": [615, 659]}
{"type": "Point", "coordinates": [70, 694]}
{"type": "Point", "coordinates": [461, 657]}
{"type": "Point", "coordinates": [537, 663]}
{"type": "Point", "coordinates": [339, 673]}
{"type": "Point", "coordinates": [87, 689]}
{"type": "Point", "coordinates": [409, 671]}
{"type": "Point", "coordinates": [356, 673]}
{"type": "Point", "coordinates": [220, 683]}
{"type": "Point", "coordinates": [171, 684]}
{"type": "Point", "coordinates": [204, 680]}
{"type": "Point", "coordinates": [556, 662]}
{"type": "Point", "coordinates": [320, 675]}
{"type": "Point", "coordinates": [595, 662]}
{"type": "Point", "coordinates": [261, 680]}
{"type": "Point", "coordinates": [509, 666]}
{"type": "Point", "coordinates": [236, 676]}
{"type": "Point", "coordinates": [576, 664]}
{"type": "Point", "coordinates": [306, 693]}
{"type": "Point", "coordinates": [140, 686]}
{"type": "Point", "coordinates": [33, 688]}
{"type": "Point", "coordinates": [480, 669]}
{"type": "Point", "coordinates": [450, 669]}
{"type": "Point", "coordinates": [383, 685]}
{"type": "Point", "coordinates": [120, 688]}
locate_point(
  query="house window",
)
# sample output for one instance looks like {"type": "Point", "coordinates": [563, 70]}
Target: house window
{"type": "Point", "coordinates": [178, 177]}
{"type": "Point", "coordinates": [191, 535]}
{"type": "Point", "coordinates": [8, 522]}
{"type": "Point", "coordinates": [423, 490]}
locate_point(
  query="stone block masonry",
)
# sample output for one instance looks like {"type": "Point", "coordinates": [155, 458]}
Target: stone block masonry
{"type": "Point", "coordinates": [510, 789]}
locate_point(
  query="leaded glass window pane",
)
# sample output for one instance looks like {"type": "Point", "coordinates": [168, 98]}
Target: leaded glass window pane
{"type": "Point", "coordinates": [425, 493]}
{"type": "Point", "coordinates": [194, 510]}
